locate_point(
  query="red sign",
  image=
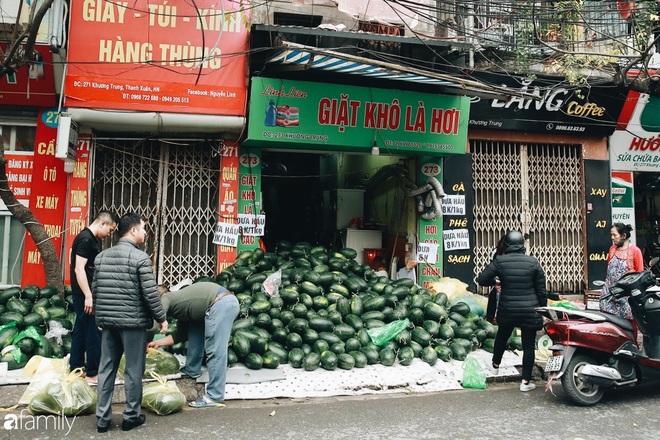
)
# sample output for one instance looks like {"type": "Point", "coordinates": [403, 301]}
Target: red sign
{"type": "Point", "coordinates": [19, 175]}
{"type": "Point", "coordinates": [32, 85]}
{"type": "Point", "coordinates": [78, 206]}
{"type": "Point", "coordinates": [184, 57]}
{"type": "Point", "coordinates": [47, 197]}
{"type": "Point", "coordinates": [228, 198]}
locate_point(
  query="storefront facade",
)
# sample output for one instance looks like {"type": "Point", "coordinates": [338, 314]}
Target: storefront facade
{"type": "Point", "coordinates": [28, 124]}
{"type": "Point", "coordinates": [161, 120]}
{"type": "Point", "coordinates": [635, 172]}
{"type": "Point", "coordinates": [540, 166]}
{"type": "Point", "coordinates": [364, 123]}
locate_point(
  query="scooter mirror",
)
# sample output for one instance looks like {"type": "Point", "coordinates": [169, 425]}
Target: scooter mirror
{"type": "Point", "coordinates": [654, 261]}
{"type": "Point", "coordinates": [598, 283]}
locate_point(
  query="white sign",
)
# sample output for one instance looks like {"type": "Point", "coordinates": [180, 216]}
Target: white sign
{"type": "Point", "coordinates": [428, 251]}
{"type": "Point", "coordinates": [456, 239]}
{"type": "Point", "coordinates": [226, 234]}
{"type": "Point", "coordinates": [635, 149]}
{"type": "Point", "coordinates": [251, 224]}
{"type": "Point", "coordinates": [625, 216]}
{"type": "Point", "coordinates": [453, 205]}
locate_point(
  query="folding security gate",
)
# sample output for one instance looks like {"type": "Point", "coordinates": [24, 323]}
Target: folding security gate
{"type": "Point", "coordinates": [173, 185]}
{"type": "Point", "coordinates": [537, 189]}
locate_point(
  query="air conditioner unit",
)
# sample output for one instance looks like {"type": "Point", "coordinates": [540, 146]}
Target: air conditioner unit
{"type": "Point", "coordinates": [67, 138]}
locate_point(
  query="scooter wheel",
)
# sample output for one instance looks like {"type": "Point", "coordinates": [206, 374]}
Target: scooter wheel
{"type": "Point", "coordinates": [576, 388]}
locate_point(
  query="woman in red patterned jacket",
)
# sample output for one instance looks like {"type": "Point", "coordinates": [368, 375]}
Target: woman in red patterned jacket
{"type": "Point", "coordinates": [623, 257]}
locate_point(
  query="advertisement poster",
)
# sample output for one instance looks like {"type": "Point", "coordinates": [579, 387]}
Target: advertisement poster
{"type": "Point", "coordinates": [19, 175]}
{"type": "Point", "coordinates": [78, 206]}
{"type": "Point", "coordinates": [182, 57]}
{"type": "Point", "coordinates": [623, 200]}
{"type": "Point", "coordinates": [299, 114]}
{"type": "Point", "coordinates": [47, 198]}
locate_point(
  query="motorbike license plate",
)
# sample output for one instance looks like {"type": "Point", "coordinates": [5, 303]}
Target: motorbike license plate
{"type": "Point", "coordinates": [554, 363]}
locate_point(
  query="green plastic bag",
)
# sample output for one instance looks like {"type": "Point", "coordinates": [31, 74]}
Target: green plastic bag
{"type": "Point", "coordinates": [30, 332]}
{"type": "Point", "coordinates": [474, 375]}
{"type": "Point", "coordinates": [384, 334]}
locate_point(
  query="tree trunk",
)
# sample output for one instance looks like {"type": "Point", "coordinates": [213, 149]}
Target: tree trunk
{"type": "Point", "coordinates": [45, 245]}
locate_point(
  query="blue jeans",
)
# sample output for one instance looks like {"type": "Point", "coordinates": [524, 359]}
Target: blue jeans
{"type": "Point", "coordinates": [195, 352]}
{"type": "Point", "coordinates": [86, 339]}
{"type": "Point", "coordinates": [217, 330]}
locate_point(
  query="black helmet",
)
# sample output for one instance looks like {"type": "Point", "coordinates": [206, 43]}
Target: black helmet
{"type": "Point", "coordinates": [514, 238]}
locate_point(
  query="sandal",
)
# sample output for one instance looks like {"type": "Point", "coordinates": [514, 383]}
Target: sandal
{"type": "Point", "coordinates": [203, 402]}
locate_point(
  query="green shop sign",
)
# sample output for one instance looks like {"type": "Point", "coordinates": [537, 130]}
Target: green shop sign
{"type": "Point", "coordinates": [308, 115]}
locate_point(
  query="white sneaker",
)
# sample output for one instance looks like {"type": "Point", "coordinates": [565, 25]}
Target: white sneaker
{"type": "Point", "coordinates": [494, 370]}
{"type": "Point", "coordinates": [524, 387]}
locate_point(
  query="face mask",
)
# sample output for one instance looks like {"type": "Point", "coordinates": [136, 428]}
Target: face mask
{"type": "Point", "coordinates": [620, 243]}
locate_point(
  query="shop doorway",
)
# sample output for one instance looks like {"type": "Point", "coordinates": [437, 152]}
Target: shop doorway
{"type": "Point", "coordinates": [647, 214]}
{"type": "Point", "coordinates": [291, 185]}
{"type": "Point", "coordinates": [174, 185]}
{"type": "Point", "coordinates": [314, 197]}
{"type": "Point", "coordinates": [537, 189]}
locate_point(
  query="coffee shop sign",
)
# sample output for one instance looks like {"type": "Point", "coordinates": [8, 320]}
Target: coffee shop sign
{"type": "Point", "coordinates": [552, 100]}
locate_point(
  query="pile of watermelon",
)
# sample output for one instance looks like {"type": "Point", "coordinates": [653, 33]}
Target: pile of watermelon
{"type": "Point", "coordinates": [327, 303]}
{"type": "Point", "coordinates": [26, 316]}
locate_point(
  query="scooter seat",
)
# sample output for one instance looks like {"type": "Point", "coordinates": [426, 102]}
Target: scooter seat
{"type": "Point", "coordinates": [591, 315]}
{"type": "Point", "coordinates": [617, 320]}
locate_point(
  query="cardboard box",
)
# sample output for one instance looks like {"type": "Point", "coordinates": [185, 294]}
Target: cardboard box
{"type": "Point", "coordinates": [592, 299]}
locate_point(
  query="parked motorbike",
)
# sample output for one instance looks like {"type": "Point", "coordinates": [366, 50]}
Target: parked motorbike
{"type": "Point", "coordinates": [594, 351]}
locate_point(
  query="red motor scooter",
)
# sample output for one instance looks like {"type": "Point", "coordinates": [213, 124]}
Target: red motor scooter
{"type": "Point", "coordinates": [595, 351]}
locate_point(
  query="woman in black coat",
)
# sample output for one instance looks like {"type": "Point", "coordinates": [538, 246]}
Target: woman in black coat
{"type": "Point", "coordinates": [523, 289]}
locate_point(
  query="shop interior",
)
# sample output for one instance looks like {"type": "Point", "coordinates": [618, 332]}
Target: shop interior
{"type": "Point", "coordinates": [647, 214]}
{"type": "Point", "coordinates": [340, 200]}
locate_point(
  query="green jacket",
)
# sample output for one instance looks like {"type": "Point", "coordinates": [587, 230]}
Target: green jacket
{"type": "Point", "coordinates": [189, 305]}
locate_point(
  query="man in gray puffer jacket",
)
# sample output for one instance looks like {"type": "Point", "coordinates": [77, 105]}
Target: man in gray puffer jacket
{"type": "Point", "coordinates": [126, 301]}
{"type": "Point", "coordinates": [523, 289]}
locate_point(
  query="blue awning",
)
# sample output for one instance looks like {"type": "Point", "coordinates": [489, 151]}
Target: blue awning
{"type": "Point", "coordinates": [307, 57]}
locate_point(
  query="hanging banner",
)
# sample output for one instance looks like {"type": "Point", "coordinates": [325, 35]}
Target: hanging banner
{"type": "Point", "coordinates": [637, 148]}
{"type": "Point", "coordinates": [184, 57]}
{"type": "Point", "coordinates": [78, 202]}
{"type": "Point", "coordinates": [226, 234]}
{"type": "Point", "coordinates": [307, 115]}
{"type": "Point", "coordinates": [251, 224]}
{"type": "Point", "coordinates": [47, 198]}
{"type": "Point", "coordinates": [228, 208]}
{"type": "Point", "coordinates": [19, 165]}
{"type": "Point", "coordinates": [458, 219]}
{"type": "Point", "coordinates": [249, 190]}
{"type": "Point", "coordinates": [598, 221]}
{"type": "Point", "coordinates": [623, 200]}
{"type": "Point", "coordinates": [430, 231]}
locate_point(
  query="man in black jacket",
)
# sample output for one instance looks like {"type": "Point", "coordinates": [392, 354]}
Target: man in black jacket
{"type": "Point", "coordinates": [523, 289]}
{"type": "Point", "coordinates": [126, 302]}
